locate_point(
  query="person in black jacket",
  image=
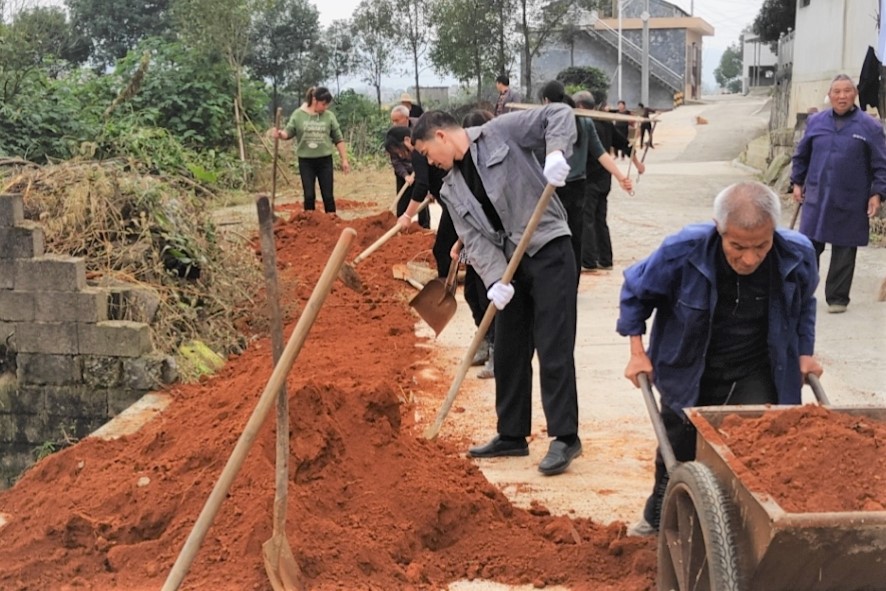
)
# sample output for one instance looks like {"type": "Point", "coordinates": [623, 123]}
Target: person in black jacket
{"type": "Point", "coordinates": [596, 244]}
{"type": "Point", "coordinates": [400, 153]}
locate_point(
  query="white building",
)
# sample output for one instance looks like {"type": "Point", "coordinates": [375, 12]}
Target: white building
{"type": "Point", "coordinates": [758, 62]}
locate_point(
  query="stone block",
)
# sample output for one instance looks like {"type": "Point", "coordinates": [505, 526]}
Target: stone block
{"type": "Point", "coordinates": [7, 274]}
{"type": "Point", "coordinates": [15, 458]}
{"type": "Point", "coordinates": [63, 428]}
{"type": "Point", "coordinates": [57, 370]}
{"type": "Point", "coordinates": [148, 372]}
{"type": "Point", "coordinates": [20, 428]}
{"type": "Point", "coordinates": [24, 241]}
{"type": "Point", "coordinates": [12, 209]}
{"type": "Point", "coordinates": [7, 335]}
{"type": "Point", "coordinates": [119, 399]}
{"type": "Point", "coordinates": [87, 305]}
{"type": "Point", "coordinates": [76, 401]}
{"type": "Point", "coordinates": [53, 338]}
{"type": "Point", "coordinates": [115, 338]}
{"type": "Point", "coordinates": [102, 372]}
{"type": "Point", "coordinates": [139, 304]}
{"type": "Point", "coordinates": [16, 306]}
{"type": "Point", "coordinates": [21, 400]}
{"type": "Point", "coordinates": [50, 272]}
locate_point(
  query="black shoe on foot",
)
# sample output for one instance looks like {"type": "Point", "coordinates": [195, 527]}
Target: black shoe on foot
{"type": "Point", "coordinates": [559, 456]}
{"type": "Point", "coordinates": [498, 447]}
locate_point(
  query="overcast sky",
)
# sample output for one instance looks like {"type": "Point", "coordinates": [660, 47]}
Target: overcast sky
{"type": "Point", "coordinates": [728, 17]}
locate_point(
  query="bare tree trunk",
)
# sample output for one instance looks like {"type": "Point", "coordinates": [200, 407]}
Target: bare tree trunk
{"type": "Point", "coordinates": [238, 119]}
{"type": "Point", "coordinates": [527, 56]}
{"type": "Point", "coordinates": [417, 87]}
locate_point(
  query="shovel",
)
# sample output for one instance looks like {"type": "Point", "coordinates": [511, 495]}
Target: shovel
{"type": "Point", "coordinates": [280, 564]}
{"type": "Point", "coordinates": [348, 273]}
{"type": "Point", "coordinates": [432, 431]}
{"type": "Point", "coordinates": [435, 303]}
{"type": "Point", "coordinates": [257, 418]}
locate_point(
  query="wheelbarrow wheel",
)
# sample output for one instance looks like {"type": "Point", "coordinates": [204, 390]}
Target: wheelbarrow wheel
{"type": "Point", "coordinates": [696, 539]}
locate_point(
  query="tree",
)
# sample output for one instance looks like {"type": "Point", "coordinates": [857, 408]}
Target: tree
{"type": "Point", "coordinates": [729, 70]}
{"type": "Point", "coordinates": [116, 26]}
{"type": "Point", "coordinates": [221, 28]}
{"type": "Point", "coordinates": [538, 24]}
{"type": "Point", "coordinates": [411, 24]}
{"type": "Point", "coordinates": [37, 38]}
{"type": "Point", "coordinates": [774, 19]}
{"type": "Point", "coordinates": [466, 52]}
{"type": "Point", "coordinates": [588, 78]}
{"type": "Point", "coordinates": [342, 54]}
{"type": "Point", "coordinates": [375, 40]}
{"type": "Point", "coordinates": [285, 40]}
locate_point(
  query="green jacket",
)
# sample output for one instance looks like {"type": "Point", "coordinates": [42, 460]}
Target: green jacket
{"type": "Point", "coordinates": [315, 135]}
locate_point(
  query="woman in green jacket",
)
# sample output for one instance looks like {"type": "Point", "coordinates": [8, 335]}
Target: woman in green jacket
{"type": "Point", "coordinates": [316, 133]}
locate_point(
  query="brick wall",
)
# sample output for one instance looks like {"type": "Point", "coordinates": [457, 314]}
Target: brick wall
{"type": "Point", "coordinates": [66, 366]}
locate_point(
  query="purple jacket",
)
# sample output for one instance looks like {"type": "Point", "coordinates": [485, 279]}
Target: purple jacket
{"type": "Point", "coordinates": [839, 172]}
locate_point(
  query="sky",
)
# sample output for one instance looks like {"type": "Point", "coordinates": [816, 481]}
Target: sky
{"type": "Point", "coordinates": [728, 17]}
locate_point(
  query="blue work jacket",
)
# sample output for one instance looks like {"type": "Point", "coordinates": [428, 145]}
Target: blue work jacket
{"type": "Point", "coordinates": [839, 171]}
{"type": "Point", "coordinates": [679, 283]}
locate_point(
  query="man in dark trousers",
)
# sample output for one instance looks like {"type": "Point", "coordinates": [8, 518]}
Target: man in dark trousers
{"type": "Point", "coordinates": [734, 304]}
{"type": "Point", "coordinates": [596, 244]}
{"type": "Point", "coordinates": [492, 188]}
{"type": "Point", "coordinates": [839, 175]}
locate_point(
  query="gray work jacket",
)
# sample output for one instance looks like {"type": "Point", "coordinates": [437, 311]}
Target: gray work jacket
{"type": "Point", "coordinates": [502, 150]}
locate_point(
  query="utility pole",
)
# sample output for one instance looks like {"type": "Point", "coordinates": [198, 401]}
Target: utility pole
{"type": "Point", "coordinates": [620, 7]}
{"type": "Point", "coordinates": [644, 75]}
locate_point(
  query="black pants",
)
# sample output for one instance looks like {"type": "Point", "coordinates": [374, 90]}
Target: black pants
{"type": "Point", "coordinates": [539, 319]}
{"type": "Point", "coordinates": [644, 128]}
{"type": "Point", "coordinates": [756, 388]}
{"type": "Point", "coordinates": [320, 170]}
{"type": "Point", "coordinates": [572, 196]}
{"type": "Point", "coordinates": [596, 244]}
{"type": "Point", "coordinates": [475, 296]}
{"type": "Point", "coordinates": [840, 272]}
{"type": "Point", "coordinates": [446, 237]}
{"type": "Point", "coordinates": [424, 216]}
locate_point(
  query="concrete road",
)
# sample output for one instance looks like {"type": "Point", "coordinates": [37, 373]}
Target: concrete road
{"type": "Point", "coordinates": [687, 168]}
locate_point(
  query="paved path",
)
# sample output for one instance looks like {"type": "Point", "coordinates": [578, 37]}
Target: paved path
{"type": "Point", "coordinates": [689, 165]}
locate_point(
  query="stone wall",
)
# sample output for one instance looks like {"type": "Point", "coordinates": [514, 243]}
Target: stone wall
{"type": "Point", "coordinates": [66, 364]}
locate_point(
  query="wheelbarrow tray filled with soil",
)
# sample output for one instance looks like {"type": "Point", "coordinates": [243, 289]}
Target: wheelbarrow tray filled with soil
{"type": "Point", "coordinates": [806, 548]}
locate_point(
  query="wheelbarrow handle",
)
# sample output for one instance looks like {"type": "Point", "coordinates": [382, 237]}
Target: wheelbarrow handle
{"type": "Point", "coordinates": [664, 444]}
{"type": "Point", "coordinates": [817, 389]}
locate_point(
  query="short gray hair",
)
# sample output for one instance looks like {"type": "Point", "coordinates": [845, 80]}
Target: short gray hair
{"type": "Point", "coordinates": [402, 109]}
{"type": "Point", "coordinates": [843, 78]}
{"type": "Point", "coordinates": [584, 99]}
{"type": "Point", "coordinates": [746, 205]}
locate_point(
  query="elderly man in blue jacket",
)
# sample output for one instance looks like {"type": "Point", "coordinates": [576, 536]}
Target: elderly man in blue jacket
{"type": "Point", "coordinates": [839, 175]}
{"type": "Point", "coordinates": [734, 318]}
{"type": "Point", "coordinates": [493, 185]}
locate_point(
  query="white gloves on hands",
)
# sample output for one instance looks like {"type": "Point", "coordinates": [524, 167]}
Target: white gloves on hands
{"type": "Point", "coordinates": [500, 294]}
{"type": "Point", "coordinates": [556, 169]}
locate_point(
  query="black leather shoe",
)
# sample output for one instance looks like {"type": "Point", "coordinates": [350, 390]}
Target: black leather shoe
{"type": "Point", "coordinates": [497, 447]}
{"type": "Point", "coordinates": [559, 457]}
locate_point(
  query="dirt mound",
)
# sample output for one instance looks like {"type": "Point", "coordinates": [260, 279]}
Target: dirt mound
{"type": "Point", "coordinates": [791, 453]}
{"type": "Point", "coordinates": [372, 504]}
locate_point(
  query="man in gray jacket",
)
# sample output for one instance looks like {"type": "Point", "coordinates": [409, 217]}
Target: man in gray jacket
{"type": "Point", "coordinates": [492, 188]}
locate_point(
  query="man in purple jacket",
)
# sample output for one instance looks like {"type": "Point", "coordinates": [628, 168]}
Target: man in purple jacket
{"type": "Point", "coordinates": [839, 175]}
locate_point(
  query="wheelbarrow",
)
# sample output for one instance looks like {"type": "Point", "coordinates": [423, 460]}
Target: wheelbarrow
{"type": "Point", "coordinates": [720, 533]}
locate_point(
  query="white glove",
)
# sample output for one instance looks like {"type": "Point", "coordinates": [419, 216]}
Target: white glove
{"type": "Point", "coordinates": [556, 169]}
{"type": "Point", "coordinates": [500, 294]}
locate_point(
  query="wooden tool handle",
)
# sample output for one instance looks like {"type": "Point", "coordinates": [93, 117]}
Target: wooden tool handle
{"type": "Point", "coordinates": [434, 429]}
{"type": "Point", "coordinates": [664, 444]}
{"type": "Point", "coordinates": [269, 266]}
{"type": "Point", "coordinates": [253, 425]}
{"type": "Point", "coordinates": [386, 236]}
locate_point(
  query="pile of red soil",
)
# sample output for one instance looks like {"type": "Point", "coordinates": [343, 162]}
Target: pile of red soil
{"type": "Point", "coordinates": [372, 504]}
{"type": "Point", "coordinates": [811, 459]}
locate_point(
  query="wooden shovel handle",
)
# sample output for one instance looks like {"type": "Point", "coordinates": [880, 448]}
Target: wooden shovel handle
{"type": "Point", "coordinates": [434, 429]}
{"type": "Point", "coordinates": [386, 236]}
{"type": "Point", "coordinates": [253, 425]}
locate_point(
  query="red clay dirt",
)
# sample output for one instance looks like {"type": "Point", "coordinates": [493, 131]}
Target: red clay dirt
{"type": "Point", "coordinates": [372, 504]}
{"type": "Point", "coordinates": [812, 459]}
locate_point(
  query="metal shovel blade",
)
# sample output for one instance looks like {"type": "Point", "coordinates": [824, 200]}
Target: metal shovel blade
{"type": "Point", "coordinates": [435, 304]}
